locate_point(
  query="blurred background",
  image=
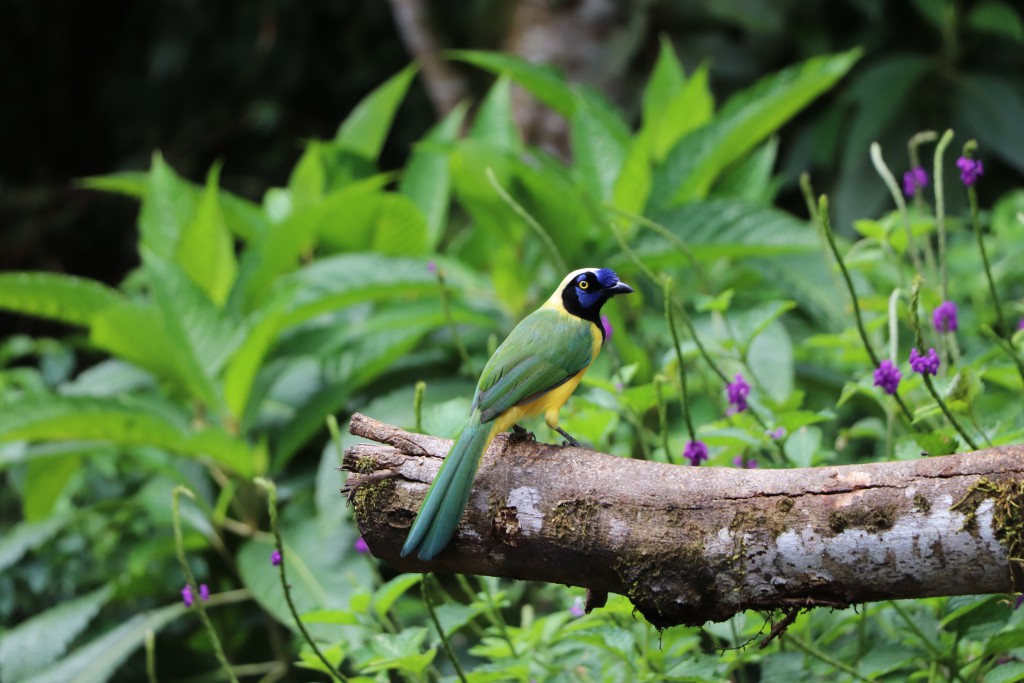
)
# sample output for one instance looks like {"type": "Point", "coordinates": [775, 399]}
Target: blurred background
{"type": "Point", "coordinates": [93, 88]}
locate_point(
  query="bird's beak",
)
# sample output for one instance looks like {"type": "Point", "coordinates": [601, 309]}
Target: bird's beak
{"type": "Point", "coordinates": [620, 288]}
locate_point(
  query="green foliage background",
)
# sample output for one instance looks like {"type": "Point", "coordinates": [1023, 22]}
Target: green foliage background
{"type": "Point", "coordinates": [246, 323]}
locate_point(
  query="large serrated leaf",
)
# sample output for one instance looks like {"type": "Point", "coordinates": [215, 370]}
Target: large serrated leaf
{"type": "Point", "coordinates": [63, 298]}
{"type": "Point", "coordinates": [99, 660]}
{"type": "Point", "coordinates": [744, 122]}
{"type": "Point", "coordinates": [493, 122]}
{"type": "Point", "coordinates": [206, 251]}
{"type": "Point", "coordinates": [19, 539]}
{"type": "Point", "coordinates": [367, 126]}
{"type": "Point", "coordinates": [598, 150]}
{"type": "Point", "coordinates": [426, 180]}
{"type": "Point", "coordinates": [728, 228]}
{"type": "Point", "coordinates": [167, 207]}
{"type": "Point", "coordinates": [543, 82]}
{"type": "Point", "coordinates": [36, 643]}
{"type": "Point", "coordinates": [120, 421]}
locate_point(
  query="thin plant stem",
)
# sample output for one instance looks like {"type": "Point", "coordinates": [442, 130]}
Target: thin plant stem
{"type": "Point", "coordinates": [945, 411]}
{"type": "Point", "coordinates": [812, 651]}
{"type": "Point", "coordinates": [502, 626]}
{"type": "Point", "coordinates": [332, 428]}
{"type": "Point", "coordinates": [271, 489]}
{"type": "Point", "coordinates": [890, 182]}
{"type": "Point", "coordinates": [150, 656]}
{"type": "Point", "coordinates": [542, 234]}
{"type": "Point", "coordinates": [940, 209]}
{"type": "Point", "coordinates": [915, 323]}
{"type": "Point", "coordinates": [425, 590]}
{"type": "Point", "coordinates": [684, 398]}
{"type": "Point", "coordinates": [663, 416]}
{"type": "Point", "coordinates": [826, 227]}
{"type": "Point", "coordinates": [190, 579]}
{"type": "Point", "coordinates": [417, 404]}
{"type": "Point", "coordinates": [667, 234]}
{"type": "Point", "coordinates": [467, 364]}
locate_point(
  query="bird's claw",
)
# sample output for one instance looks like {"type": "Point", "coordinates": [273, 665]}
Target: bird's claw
{"type": "Point", "coordinates": [569, 441]}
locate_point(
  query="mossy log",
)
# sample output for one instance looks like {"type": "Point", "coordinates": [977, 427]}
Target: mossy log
{"type": "Point", "coordinates": [689, 545]}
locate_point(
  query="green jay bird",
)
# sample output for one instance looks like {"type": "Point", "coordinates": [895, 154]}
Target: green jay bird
{"type": "Point", "coordinates": [534, 371]}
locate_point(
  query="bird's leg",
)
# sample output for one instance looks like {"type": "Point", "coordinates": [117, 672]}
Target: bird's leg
{"type": "Point", "coordinates": [520, 433]}
{"type": "Point", "coordinates": [569, 440]}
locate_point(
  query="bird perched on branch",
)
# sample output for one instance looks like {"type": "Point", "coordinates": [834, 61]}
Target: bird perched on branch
{"type": "Point", "coordinates": [534, 371]}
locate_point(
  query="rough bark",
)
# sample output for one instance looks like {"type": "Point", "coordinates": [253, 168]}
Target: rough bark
{"type": "Point", "coordinates": [694, 544]}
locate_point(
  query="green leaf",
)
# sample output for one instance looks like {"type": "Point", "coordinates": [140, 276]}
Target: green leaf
{"type": "Point", "coordinates": [991, 107]}
{"type": "Point", "coordinates": [728, 228]}
{"type": "Point", "coordinates": [44, 483]}
{"type": "Point", "coordinates": [1011, 672]}
{"type": "Point", "coordinates": [206, 251]}
{"type": "Point", "coordinates": [598, 151]}
{"type": "Point", "coordinates": [802, 445]}
{"type": "Point", "coordinates": [323, 569]}
{"type": "Point", "coordinates": [689, 109]}
{"type": "Point", "coordinates": [427, 179]}
{"type": "Point", "coordinates": [100, 659]}
{"type": "Point", "coordinates": [633, 185]}
{"type": "Point", "coordinates": [309, 178]}
{"type": "Point", "coordinates": [63, 298]}
{"type": "Point", "coordinates": [167, 208]}
{"type": "Point", "coordinates": [384, 222]}
{"type": "Point", "coordinates": [543, 82]}
{"type": "Point", "coordinates": [963, 389]}
{"type": "Point", "coordinates": [201, 336]}
{"type": "Point", "coordinates": [493, 122]}
{"type": "Point", "coordinates": [120, 421]}
{"type": "Point", "coordinates": [997, 18]}
{"type": "Point", "coordinates": [367, 126]}
{"type": "Point", "coordinates": [745, 121]}
{"type": "Point", "coordinates": [665, 82]}
{"type": "Point", "coordinates": [128, 183]}
{"type": "Point", "coordinates": [135, 331]}
{"type": "Point", "coordinates": [385, 596]}
{"type": "Point", "coordinates": [25, 536]}
{"type": "Point", "coordinates": [400, 651]}
{"type": "Point", "coordinates": [37, 642]}
{"type": "Point", "coordinates": [770, 357]}
{"type": "Point", "coordinates": [751, 179]}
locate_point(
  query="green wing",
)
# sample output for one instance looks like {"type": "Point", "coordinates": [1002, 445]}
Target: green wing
{"type": "Point", "coordinates": [545, 350]}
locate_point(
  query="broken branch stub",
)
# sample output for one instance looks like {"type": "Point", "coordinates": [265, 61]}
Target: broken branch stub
{"type": "Point", "coordinates": [689, 545]}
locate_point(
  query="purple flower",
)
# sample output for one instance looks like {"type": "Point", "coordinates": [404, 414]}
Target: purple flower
{"type": "Point", "coordinates": [738, 461]}
{"type": "Point", "coordinates": [577, 609]}
{"type": "Point", "coordinates": [1020, 600]}
{"type": "Point", "coordinates": [777, 434]}
{"type": "Point", "coordinates": [1020, 325]}
{"type": "Point", "coordinates": [926, 365]}
{"type": "Point", "coordinates": [970, 170]}
{"type": "Point", "coordinates": [607, 325]}
{"type": "Point", "coordinates": [619, 386]}
{"type": "Point", "coordinates": [204, 592]}
{"type": "Point", "coordinates": [186, 595]}
{"type": "Point", "coordinates": [696, 452]}
{"type": "Point", "coordinates": [361, 546]}
{"type": "Point", "coordinates": [888, 376]}
{"type": "Point", "coordinates": [275, 558]}
{"type": "Point", "coordinates": [913, 180]}
{"type": "Point", "coordinates": [944, 317]}
{"type": "Point", "coordinates": [738, 392]}
{"type": "Point", "coordinates": [432, 268]}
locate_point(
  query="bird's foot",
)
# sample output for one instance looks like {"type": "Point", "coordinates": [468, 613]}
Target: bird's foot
{"type": "Point", "coordinates": [521, 434]}
{"type": "Point", "coordinates": [569, 441]}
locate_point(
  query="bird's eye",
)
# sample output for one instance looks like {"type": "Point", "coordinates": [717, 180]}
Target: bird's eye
{"type": "Point", "coordinates": [583, 284]}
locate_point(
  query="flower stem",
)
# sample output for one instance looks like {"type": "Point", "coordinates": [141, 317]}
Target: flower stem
{"type": "Point", "coordinates": [424, 589]}
{"type": "Point", "coordinates": [890, 181]}
{"type": "Point", "coordinates": [417, 404]}
{"type": "Point", "coordinates": [826, 228]}
{"type": "Point", "coordinates": [150, 656]}
{"type": "Point", "coordinates": [556, 257]}
{"type": "Point", "coordinates": [190, 579]}
{"type": "Point", "coordinates": [684, 398]}
{"type": "Point", "coordinates": [271, 490]}
{"type": "Point", "coordinates": [940, 209]}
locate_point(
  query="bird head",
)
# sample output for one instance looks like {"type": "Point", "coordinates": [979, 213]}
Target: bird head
{"type": "Point", "coordinates": [584, 291]}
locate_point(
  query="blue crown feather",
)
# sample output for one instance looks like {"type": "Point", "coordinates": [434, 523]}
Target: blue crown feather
{"type": "Point", "coordinates": [607, 277]}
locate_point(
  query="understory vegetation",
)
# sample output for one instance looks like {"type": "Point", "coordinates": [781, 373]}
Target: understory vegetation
{"type": "Point", "coordinates": [186, 416]}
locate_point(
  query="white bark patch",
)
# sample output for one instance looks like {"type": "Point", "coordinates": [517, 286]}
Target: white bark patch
{"type": "Point", "coordinates": [525, 500]}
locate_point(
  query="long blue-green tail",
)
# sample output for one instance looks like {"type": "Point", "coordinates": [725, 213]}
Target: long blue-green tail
{"type": "Point", "coordinates": [448, 496]}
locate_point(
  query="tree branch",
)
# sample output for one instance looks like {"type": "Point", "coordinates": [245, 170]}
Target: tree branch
{"type": "Point", "coordinates": [689, 545]}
